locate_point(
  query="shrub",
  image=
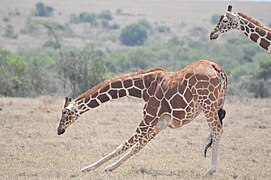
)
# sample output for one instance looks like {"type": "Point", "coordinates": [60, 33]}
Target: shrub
{"type": "Point", "coordinates": [43, 10]}
{"type": "Point", "coordinates": [162, 29]}
{"type": "Point", "coordinates": [10, 32]}
{"type": "Point", "coordinates": [133, 34]}
{"type": "Point", "coordinates": [106, 14]}
{"type": "Point", "coordinates": [84, 17]}
{"type": "Point", "coordinates": [82, 69]}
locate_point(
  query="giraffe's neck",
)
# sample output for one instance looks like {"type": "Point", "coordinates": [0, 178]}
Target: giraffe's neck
{"type": "Point", "coordinates": [255, 31]}
{"type": "Point", "coordinates": [138, 84]}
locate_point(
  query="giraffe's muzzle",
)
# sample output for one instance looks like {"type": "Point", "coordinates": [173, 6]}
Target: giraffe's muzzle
{"type": "Point", "coordinates": [60, 129]}
{"type": "Point", "coordinates": [213, 36]}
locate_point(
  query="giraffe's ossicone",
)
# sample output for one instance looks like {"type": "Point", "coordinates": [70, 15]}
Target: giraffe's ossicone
{"type": "Point", "coordinates": [254, 30]}
{"type": "Point", "coordinates": [172, 99]}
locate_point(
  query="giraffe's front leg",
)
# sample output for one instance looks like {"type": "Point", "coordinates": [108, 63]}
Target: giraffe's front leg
{"type": "Point", "coordinates": [143, 140]}
{"type": "Point", "coordinates": [119, 150]}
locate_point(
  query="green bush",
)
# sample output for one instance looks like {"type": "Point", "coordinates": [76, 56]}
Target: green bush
{"type": "Point", "coordinates": [82, 69]}
{"type": "Point", "coordinates": [43, 10]}
{"type": "Point", "coordinates": [133, 35]}
{"type": "Point", "coordinates": [84, 17]}
{"type": "Point", "coordinates": [106, 14]}
{"type": "Point", "coordinates": [162, 29]}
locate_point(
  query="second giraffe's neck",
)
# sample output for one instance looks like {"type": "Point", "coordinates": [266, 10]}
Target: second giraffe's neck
{"type": "Point", "coordinates": [255, 31]}
{"type": "Point", "coordinates": [138, 85]}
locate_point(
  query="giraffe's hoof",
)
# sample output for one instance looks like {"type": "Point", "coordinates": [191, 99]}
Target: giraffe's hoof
{"type": "Point", "coordinates": [210, 172]}
{"type": "Point", "coordinates": [87, 169]}
{"type": "Point", "coordinates": [109, 169]}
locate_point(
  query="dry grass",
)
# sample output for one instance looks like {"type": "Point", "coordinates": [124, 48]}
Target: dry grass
{"type": "Point", "coordinates": [31, 149]}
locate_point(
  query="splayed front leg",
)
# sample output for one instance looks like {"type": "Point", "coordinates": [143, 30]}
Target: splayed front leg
{"type": "Point", "coordinates": [119, 150]}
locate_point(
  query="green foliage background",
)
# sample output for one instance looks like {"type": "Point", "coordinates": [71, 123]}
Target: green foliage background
{"type": "Point", "coordinates": [140, 45]}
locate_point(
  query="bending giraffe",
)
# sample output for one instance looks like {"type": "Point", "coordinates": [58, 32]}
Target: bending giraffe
{"type": "Point", "coordinates": [253, 29]}
{"type": "Point", "coordinates": [172, 99]}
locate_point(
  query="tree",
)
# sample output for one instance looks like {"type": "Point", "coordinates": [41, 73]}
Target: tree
{"type": "Point", "coordinates": [82, 69]}
{"type": "Point", "coordinates": [133, 35]}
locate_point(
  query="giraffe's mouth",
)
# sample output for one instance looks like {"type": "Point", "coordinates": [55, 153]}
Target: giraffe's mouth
{"type": "Point", "coordinates": [60, 129]}
{"type": "Point", "coordinates": [213, 36]}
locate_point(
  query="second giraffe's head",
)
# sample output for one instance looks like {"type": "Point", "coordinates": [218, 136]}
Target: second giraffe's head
{"type": "Point", "coordinates": [228, 21]}
{"type": "Point", "coordinates": [69, 115]}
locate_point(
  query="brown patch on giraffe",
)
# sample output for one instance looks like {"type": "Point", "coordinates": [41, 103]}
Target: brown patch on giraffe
{"type": "Point", "coordinates": [152, 88]}
{"type": "Point", "coordinates": [122, 93]}
{"type": "Point", "coordinates": [135, 92]}
{"type": "Point", "coordinates": [94, 95]}
{"type": "Point", "coordinates": [178, 102]}
{"type": "Point", "coordinates": [159, 93]}
{"type": "Point", "coordinates": [211, 97]}
{"type": "Point", "coordinates": [247, 29]}
{"type": "Point", "coordinates": [192, 80]}
{"type": "Point", "coordinates": [104, 89]}
{"type": "Point", "coordinates": [264, 43]}
{"type": "Point", "coordinates": [103, 98]}
{"type": "Point", "coordinates": [251, 26]}
{"type": "Point", "coordinates": [214, 81]}
{"type": "Point", "coordinates": [128, 83]}
{"type": "Point", "coordinates": [202, 76]}
{"type": "Point", "coordinates": [113, 93]}
{"type": "Point", "coordinates": [139, 83]}
{"type": "Point", "coordinates": [268, 36]}
{"type": "Point", "coordinates": [202, 84]}
{"type": "Point", "coordinates": [188, 95]}
{"type": "Point", "coordinates": [254, 37]}
{"type": "Point", "coordinates": [179, 114]}
{"type": "Point", "coordinates": [260, 31]}
{"type": "Point", "coordinates": [154, 102]}
{"type": "Point", "coordinates": [116, 84]}
{"type": "Point", "coordinates": [93, 103]}
{"type": "Point", "coordinates": [164, 107]}
{"type": "Point", "coordinates": [172, 90]}
{"type": "Point", "coordinates": [145, 96]}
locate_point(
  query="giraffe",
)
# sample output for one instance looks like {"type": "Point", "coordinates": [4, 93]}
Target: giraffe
{"type": "Point", "coordinates": [172, 99]}
{"type": "Point", "coordinates": [253, 29]}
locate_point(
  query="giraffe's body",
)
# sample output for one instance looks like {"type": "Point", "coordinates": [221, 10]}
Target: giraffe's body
{"type": "Point", "coordinates": [254, 30]}
{"type": "Point", "coordinates": [172, 99]}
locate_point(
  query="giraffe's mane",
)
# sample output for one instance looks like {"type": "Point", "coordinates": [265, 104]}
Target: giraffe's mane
{"type": "Point", "coordinates": [125, 76]}
{"type": "Point", "coordinates": [254, 21]}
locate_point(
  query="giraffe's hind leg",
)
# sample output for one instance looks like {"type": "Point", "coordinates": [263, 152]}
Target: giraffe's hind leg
{"type": "Point", "coordinates": [214, 120]}
{"type": "Point", "coordinates": [221, 115]}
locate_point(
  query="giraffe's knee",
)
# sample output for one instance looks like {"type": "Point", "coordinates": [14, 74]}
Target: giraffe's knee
{"type": "Point", "coordinates": [221, 114]}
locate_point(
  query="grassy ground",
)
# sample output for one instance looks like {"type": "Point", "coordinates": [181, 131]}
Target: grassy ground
{"type": "Point", "coordinates": [31, 149]}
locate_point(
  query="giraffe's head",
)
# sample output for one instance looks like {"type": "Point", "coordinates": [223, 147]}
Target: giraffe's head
{"type": "Point", "coordinates": [69, 115]}
{"type": "Point", "coordinates": [227, 22]}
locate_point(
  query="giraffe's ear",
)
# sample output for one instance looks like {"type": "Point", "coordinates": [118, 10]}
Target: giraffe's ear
{"type": "Point", "coordinates": [229, 8]}
{"type": "Point", "coordinates": [67, 101]}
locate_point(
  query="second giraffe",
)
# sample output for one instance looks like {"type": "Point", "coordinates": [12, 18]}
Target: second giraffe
{"type": "Point", "coordinates": [172, 99]}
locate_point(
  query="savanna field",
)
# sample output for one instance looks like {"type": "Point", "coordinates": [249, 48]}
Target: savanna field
{"type": "Point", "coordinates": [36, 73]}
{"type": "Point", "coordinates": [31, 148]}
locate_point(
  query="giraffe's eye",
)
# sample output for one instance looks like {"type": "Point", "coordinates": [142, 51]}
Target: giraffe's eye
{"type": "Point", "coordinates": [225, 20]}
{"type": "Point", "coordinates": [65, 113]}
